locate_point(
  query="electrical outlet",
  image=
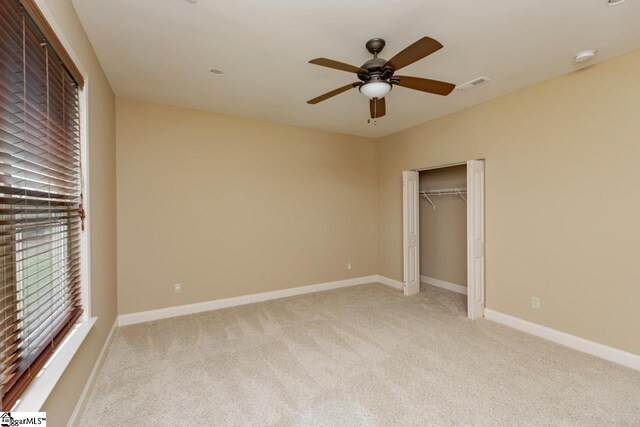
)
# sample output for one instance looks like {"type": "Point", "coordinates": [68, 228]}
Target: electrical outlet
{"type": "Point", "coordinates": [177, 288]}
{"type": "Point", "coordinates": [535, 303]}
{"type": "Point", "coordinates": [348, 266]}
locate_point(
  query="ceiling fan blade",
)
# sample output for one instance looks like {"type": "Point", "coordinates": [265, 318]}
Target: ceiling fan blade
{"type": "Point", "coordinates": [333, 93]}
{"type": "Point", "coordinates": [423, 47]}
{"type": "Point", "coordinates": [425, 85]}
{"type": "Point", "coordinates": [377, 107]}
{"type": "Point", "coordinates": [337, 65]}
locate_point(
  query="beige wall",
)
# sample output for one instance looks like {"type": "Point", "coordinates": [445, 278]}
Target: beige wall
{"type": "Point", "coordinates": [229, 206]}
{"type": "Point", "coordinates": [562, 203]}
{"type": "Point", "coordinates": [443, 231]}
{"type": "Point", "coordinates": [101, 209]}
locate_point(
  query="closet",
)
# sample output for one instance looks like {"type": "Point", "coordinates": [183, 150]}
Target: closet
{"type": "Point", "coordinates": [443, 227]}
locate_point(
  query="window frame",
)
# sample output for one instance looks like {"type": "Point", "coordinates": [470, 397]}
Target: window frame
{"type": "Point", "coordinates": [36, 393]}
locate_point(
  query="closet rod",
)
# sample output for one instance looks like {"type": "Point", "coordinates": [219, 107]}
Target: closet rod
{"type": "Point", "coordinates": [443, 192]}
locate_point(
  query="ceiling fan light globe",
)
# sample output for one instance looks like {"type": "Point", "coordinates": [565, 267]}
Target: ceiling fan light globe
{"type": "Point", "coordinates": [375, 90]}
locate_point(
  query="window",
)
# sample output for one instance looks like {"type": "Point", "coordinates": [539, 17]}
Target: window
{"type": "Point", "coordinates": [41, 215]}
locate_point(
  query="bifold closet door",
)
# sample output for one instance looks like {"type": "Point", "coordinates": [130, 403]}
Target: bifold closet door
{"type": "Point", "coordinates": [475, 239]}
{"type": "Point", "coordinates": [411, 232]}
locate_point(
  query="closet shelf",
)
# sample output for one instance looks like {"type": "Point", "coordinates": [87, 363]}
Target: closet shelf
{"type": "Point", "coordinates": [460, 191]}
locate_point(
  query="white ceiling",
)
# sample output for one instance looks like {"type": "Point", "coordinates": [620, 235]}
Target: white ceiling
{"type": "Point", "coordinates": [162, 51]}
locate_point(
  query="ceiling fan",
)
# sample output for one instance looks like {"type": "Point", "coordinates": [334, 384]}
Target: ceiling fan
{"type": "Point", "coordinates": [377, 74]}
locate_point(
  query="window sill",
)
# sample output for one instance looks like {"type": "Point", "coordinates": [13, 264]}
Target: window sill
{"type": "Point", "coordinates": [38, 391]}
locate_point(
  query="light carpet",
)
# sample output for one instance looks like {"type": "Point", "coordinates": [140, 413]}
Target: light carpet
{"type": "Point", "coordinates": [364, 355]}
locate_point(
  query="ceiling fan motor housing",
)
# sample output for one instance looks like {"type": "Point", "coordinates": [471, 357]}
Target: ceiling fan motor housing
{"type": "Point", "coordinates": [375, 67]}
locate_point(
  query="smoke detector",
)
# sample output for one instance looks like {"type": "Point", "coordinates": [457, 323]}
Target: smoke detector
{"type": "Point", "coordinates": [473, 83]}
{"type": "Point", "coordinates": [585, 55]}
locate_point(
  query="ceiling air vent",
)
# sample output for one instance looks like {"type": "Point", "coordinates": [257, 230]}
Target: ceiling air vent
{"type": "Point", "coordinates": [474, 83]}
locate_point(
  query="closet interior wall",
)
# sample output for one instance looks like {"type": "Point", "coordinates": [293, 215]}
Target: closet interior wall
{"type": "Point", "coordinates": [443, 230]}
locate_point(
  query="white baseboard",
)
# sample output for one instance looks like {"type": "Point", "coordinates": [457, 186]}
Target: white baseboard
{"type": "Point", "coordinates": [444, 284]}
{"type": "Point", "coordinates": [182, 310]}
{"type": "Point", "coordinates": [390, 282]}
{"type": "Point", "coordinates": [86, 392]}
{"type": "Point", "coordinates": [611, 354]}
